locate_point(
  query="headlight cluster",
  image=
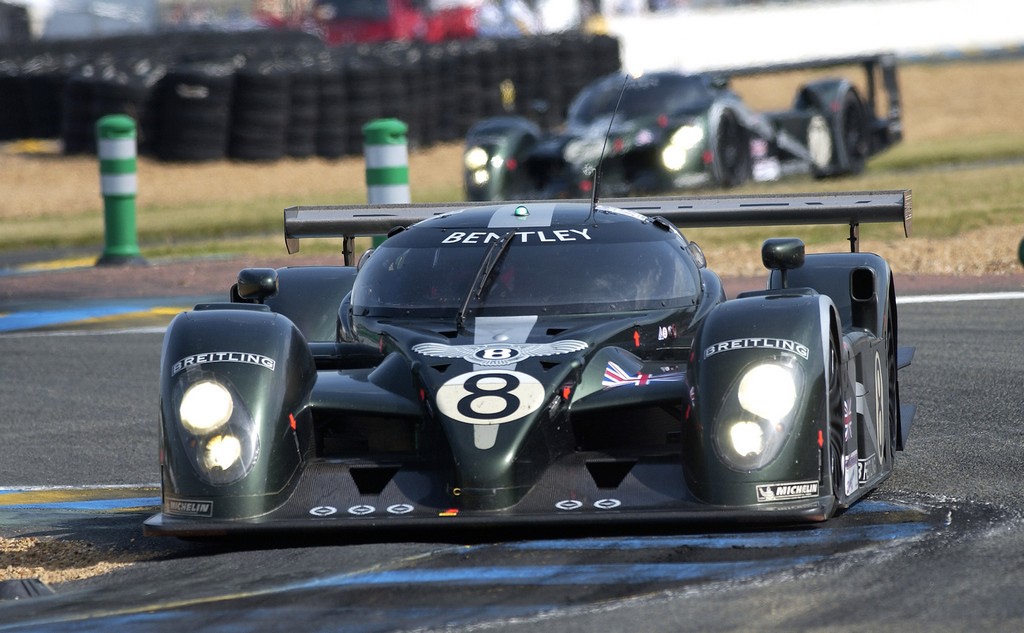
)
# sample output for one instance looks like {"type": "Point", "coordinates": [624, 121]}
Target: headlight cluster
{"type": "Point", "coordinates": [476, 160]}
{"type": "Point", "coordinates": [757, 415]}
{"type": "Point", "coordinates": [219, 435]}
{"type": "Point", "coordinates": [680, 145]}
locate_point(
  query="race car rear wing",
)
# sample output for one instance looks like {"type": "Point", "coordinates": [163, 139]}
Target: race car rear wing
{"type": "Point", "coordinates": [852, 208]}
{"type": "Point", "coordinates": [880, 75]}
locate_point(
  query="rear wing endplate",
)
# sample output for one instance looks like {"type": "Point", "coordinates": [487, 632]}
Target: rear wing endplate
{"type": "Point", "coordinates": [851, 208]}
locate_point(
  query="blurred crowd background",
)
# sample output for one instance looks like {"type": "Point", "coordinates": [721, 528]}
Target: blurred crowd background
{"type": "Point", "coordinates": [23, 20]}
{"type": "Point", "coordinates": [266, 79]}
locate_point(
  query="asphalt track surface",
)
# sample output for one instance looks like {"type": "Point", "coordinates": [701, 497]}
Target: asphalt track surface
{"type": "Point", "coordinates": [939, 547]}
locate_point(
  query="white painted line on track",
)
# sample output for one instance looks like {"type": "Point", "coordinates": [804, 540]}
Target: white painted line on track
{"type": "Point", "coordinates": [77, 487]}
{"type": "Point", "coordinates": [955, 298]}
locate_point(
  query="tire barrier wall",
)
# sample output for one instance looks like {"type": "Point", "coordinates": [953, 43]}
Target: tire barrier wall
{"type": "Point", "coordinates": [269, 95]}
{"type": "Point", "coordinates": [14, 23]}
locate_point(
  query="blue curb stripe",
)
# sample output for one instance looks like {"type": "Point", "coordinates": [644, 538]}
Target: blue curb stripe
{"type": "Point", "coordinates": [45, 318]}
{"type": "Point", "coordinates": [560, 574]}
{"type": "Point", "coordinates": [98, 504]}
{"type": "Point", "coordinates": [885, 532]}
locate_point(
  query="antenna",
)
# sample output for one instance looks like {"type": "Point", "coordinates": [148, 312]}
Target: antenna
{"type": "Point", "coordinates": [604, 145]}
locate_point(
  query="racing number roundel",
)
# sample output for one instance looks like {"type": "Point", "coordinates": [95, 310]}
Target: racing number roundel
{"type": "Point", "coordinates": [490, 396]}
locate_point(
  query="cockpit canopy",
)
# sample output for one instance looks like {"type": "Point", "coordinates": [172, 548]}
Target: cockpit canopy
{"type": "Point", "coordinates": [666, 93]}
{"type": "Point", "coordinates": [613, 262]}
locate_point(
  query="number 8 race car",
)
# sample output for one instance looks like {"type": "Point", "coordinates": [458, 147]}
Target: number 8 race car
{"type": "Point", "coordinates": [548, 361]}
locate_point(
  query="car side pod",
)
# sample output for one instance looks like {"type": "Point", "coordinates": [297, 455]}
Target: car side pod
{"type": "Point", "coordinates": [759, 402]}
{"type": "Point", "coordinates": [234, 387]}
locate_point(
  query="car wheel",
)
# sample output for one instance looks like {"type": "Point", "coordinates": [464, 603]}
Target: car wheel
{"type": "Point", "coordinates": [836, 422]}
{"type": "Point", "coordinates": [819, 144]}
{"type": "Point", "coordinates": [892, 408]}
{"type": "Point", "coordinates": [732, 152]}
{"type": "Point", "coordinates": [852, 127]}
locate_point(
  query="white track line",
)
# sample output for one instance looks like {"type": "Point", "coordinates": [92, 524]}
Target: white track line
{"type": "Point", "coordinates": [977, 296]}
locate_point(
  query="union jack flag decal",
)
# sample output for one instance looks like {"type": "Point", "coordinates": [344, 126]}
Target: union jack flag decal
{"type": "Point", "coordinates": [615, 376]}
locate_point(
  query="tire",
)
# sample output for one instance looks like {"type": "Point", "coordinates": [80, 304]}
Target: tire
{"type": "Point", "coordinates": [820, 145]}
{"type": "Point", "coordinates": [331, 131]}
{"type": "Point", "coordinates": [893, 395]}
{"type": "Point", "coordinates": [260, 113]}
{"type": "Point", "coordinates": [835, 417]}
{"type": "Point", "coordinates": [78, 122]}
{"type": "Point", "coordinates": [732, 152]}
{"type": "Point", "coordinates": [194, 112]}
{"type": "Point", "coordinates": [853, 138]}
{"type": "Point", "coordinates": [304, 112]}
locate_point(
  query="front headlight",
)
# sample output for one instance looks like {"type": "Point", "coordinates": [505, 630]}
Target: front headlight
{"type": "Point", "coordinates": [757, 416]}
{"type": "Point", "coordinates": [768, 391]}
{"type": "Point", "coordinates": [205, 406]}
{"type": "Point", "coordinates": [221, 452]}
{"type": "Point", "coordinates": [218, 433]}
{"type": "Point", "coordinates": [475, 158]}
{"type": "Point", "coordinates": [746, 438]}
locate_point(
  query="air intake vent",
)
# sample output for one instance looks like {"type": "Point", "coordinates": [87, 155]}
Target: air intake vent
{"type": "Point", "coordinates": [609, 474]}
{"type": "Point", "coordinates": [371, 480]}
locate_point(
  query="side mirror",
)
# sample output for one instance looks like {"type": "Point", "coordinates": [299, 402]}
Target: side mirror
{"type": "Point", "coordinates": [256, 284]}
{"type": "Point", "coordinates": [782, 254]}
{"type": "Point", "coordinates": [697, 253]}
{"type": "Point", "coordinates": [365, 256]}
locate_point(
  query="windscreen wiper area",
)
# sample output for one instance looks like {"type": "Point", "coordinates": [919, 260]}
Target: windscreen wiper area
{"type": "Point", "coordinates": [484, 274]}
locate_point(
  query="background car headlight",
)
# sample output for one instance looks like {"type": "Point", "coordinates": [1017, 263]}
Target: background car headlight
{"type": "Point", "coordinates": [688, 136]}
{"type": "Point", "coordinates": [475, 158]}
{"type": "Point", "coordinates": [679, 145]}
{"type": "Point", "coordinates": [481, 177]}
{"type": "Point", "coordinates": [206, 406]}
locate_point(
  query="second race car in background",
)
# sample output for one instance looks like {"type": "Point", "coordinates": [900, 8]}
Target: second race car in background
{"type": "Point", "coordinates": [668, 131]}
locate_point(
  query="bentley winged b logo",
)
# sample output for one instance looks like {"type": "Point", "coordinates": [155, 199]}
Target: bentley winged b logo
{"type": "Point", "coordinates": [497, 354]}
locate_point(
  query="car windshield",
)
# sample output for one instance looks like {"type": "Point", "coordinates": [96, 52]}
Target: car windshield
{"type": "Point", "coordinates": [643, 96]}
{"type": "Point", "coordinates": [540, 271]}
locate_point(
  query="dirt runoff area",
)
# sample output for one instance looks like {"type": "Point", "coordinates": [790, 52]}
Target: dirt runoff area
{"type": "Point", "coordinates": [54, 561]}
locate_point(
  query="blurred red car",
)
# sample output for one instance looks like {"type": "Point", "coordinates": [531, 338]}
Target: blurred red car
{"type": "Point", "coordinates": [357, 21]}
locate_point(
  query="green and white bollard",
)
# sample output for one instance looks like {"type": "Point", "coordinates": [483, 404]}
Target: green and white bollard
{"type": "Point", "coordinates": [386, 151]}
{"type": "Point", "coordinates": [116, 149]}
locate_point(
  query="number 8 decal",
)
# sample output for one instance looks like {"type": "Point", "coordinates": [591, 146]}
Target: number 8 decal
{"type": "Point", "coordinates": [490, 396]}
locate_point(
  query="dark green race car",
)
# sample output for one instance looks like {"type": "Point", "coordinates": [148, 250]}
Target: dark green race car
{"type": "Point", "coordinates": [536, 362]}
{"type": "Point", "coordinates": [667, 131]}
